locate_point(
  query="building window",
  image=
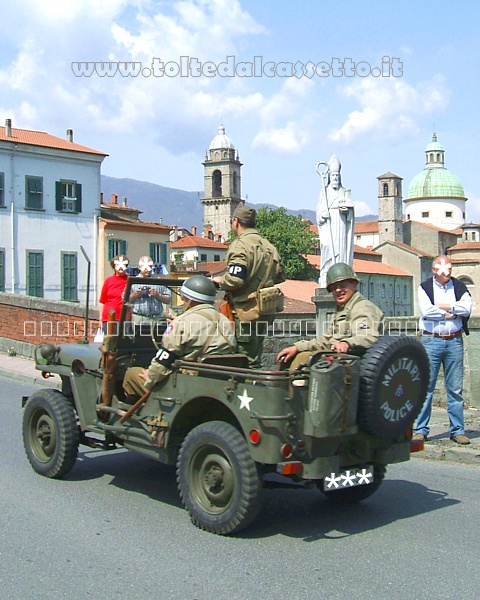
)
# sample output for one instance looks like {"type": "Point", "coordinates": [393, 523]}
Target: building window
{"type": "Point", "coordinates": [2, 189]}
{"type": "Point", "coordinates": [116, 248]}
{"type": "Point", "coordinates": [391, 291]}
{"type": "Point", "coordinates": [383, 291]}
{"type": "Point", "coordinates": [474, 236]}
{"type": "Point", "coordinates": [235, 183]}
{"type": "Point", "coordinates": [203, 258]}
{"type": "Point", "coordinates": [159, 254]}
{"type": "Point", "coordinates": [69, 276]}
{"type": "Point", "coordinates": [408, 217]}
{"type": "Point", "coordinates": [68, 196]}
{"type": "Point", "coordinates": [216, 258]}
{"type": "Point", "coordinates": [2, 270]}
{"type": "Point", "coordinates": [372, 290]}
{"type": "Point", "coordinates": [404, 292]}
{"type": "Point", "coordinates": [35, 273]}
{"type": "Point", "coordinates": [34, 192]}
{"type": "Point", "coordinates": [425, 215]}
{"type": "Point", "coordinates": [385, 189]}
{"type": "Point", "coordinates": [448, 214]}
{"type": "Point", "coordinates": [360, 287]}
{"type": "Point", "coordinates": [217, 184]}
{"type": "Point", "coordinates": [359, 238]}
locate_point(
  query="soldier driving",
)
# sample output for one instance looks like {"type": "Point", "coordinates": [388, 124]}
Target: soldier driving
{"type": "Point", "coordinates": [198, 331]}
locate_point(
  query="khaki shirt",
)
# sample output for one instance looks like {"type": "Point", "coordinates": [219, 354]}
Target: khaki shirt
{"type": "Point", "coordinates": [359, 323]}
{"type": "Point", "coordinates": [199, 331]}
{"type": "Point", "coordinates": [248, 258]}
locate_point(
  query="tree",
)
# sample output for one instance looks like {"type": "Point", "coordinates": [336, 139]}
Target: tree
{"type": "Point", "coordinates": [292, 237]}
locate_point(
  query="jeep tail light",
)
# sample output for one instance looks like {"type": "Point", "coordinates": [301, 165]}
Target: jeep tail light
{"type": "Point", "coordinates": [286, 451]}
{"type": "Point", "coordinates": [255, 437]}
{"type": "Point", "coordinates": [289, 468]}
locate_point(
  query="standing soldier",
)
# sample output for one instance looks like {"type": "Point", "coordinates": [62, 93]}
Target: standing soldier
{"type": "Point", "coordinates": [253, 264]}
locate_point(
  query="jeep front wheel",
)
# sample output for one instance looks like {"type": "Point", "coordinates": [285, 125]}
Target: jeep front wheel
{"type": "Point", "coordinates": [217, 478]}
{"type": "Point", "coordinates": [50, 433]}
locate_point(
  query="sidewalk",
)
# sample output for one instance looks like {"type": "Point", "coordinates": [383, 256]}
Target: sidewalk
{"type": "Point", "coordinates": [438, 447]}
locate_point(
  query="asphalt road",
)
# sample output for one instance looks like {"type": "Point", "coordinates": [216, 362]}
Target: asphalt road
{"type": "Point", "coordinates": [115, 528]}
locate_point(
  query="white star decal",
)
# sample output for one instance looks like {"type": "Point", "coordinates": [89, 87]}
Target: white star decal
{"type": "Point", "coordinates": [332, 481]}
{"type": "Point", "coordinates": [245, 400]}
{"type": "Point", "coordinates": [364, 477]}
{"type": "Point", "coordinates": [348, 478]}
{"type": "Point", "coordinates": [121, 263]}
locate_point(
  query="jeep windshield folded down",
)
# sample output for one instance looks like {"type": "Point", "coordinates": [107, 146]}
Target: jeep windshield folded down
{"type": "Point", "coordinates": [333, 424]}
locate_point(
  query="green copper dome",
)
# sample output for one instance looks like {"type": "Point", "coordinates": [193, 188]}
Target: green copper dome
{"type": "Point", "coordinates": [435, 183]}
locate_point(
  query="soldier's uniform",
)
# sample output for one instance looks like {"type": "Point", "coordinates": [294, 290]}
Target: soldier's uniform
{"type": "Point", "coordinates": [199, 331]}
{"type": "Point", "coordinates": [248, 258]}
{"type": "Point", "coordinates": [359, 323]}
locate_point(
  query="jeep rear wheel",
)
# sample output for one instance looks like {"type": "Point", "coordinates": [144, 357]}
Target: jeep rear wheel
{"type": "Point", "coordinates": [217, 478]}
{"type": "Point", "coordinates": [352, 495]}
{"type": "Point", "coordinates": [394, 379]}
{"type": "Point", "coordinates": [50, 433]}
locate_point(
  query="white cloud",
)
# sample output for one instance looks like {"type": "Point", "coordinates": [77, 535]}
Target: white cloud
{"type": "Point", "coordinates": [287, 140]}
{"type": "Point", "coordinates": [390, 107]}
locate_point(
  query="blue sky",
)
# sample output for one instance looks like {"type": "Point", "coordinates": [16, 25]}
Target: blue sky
{"type": "Point", "coordinates": [157, 128]}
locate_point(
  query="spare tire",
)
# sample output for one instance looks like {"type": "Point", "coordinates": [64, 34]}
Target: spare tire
{"type": "Point", "coordinates": [394, 376]}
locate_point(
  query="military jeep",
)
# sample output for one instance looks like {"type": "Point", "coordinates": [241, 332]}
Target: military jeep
{"type": "Point", "coordinates": [332, 424]}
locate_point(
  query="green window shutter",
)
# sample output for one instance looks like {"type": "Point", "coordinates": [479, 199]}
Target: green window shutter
{"type": "Point", "coordinates": [58, 196]}
{"type": "Point", "coordinates": [151, 251]}
{"type": "Point", "coordinates": [164, 257]}
{"type": "Point", "coordinates": [35, 274]}
{"type": "Point", "coordinates": [78, 195]}
{"type": "Point", "coordinates": [69, 277]}
{"type": "Point", "coordinates": [111, 249]}
{"type": "Point", "coordinates": [123, 247]}
{"type": "Point", "coordinates": [2, 271]}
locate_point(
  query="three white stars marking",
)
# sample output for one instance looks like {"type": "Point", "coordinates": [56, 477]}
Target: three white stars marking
{"type": "Point", "coordinates": [348, 479]}
{"type": "Point", "coordinates": [245, 400]}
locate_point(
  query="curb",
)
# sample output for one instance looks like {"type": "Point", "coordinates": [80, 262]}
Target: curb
{"type": "Point", "coordinates": [30, 379]}
{"type": "Point", "coordinates": [467, 456]}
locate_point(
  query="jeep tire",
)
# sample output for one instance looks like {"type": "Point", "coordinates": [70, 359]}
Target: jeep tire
{"type": "Point", "coordinates": [394, 378]}
{"type": "Point", "coordinates": [50, 433]}
{"type": "Point", "coordinates": [217, 479]}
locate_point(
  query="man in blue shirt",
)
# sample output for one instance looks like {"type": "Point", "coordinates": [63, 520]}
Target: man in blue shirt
{"type": "Point", "coordinates": [445, 305]}
{"type": "Point", "coordinates": [148, 301]}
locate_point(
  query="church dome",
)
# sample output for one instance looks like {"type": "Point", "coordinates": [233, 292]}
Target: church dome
{"type": "Point", "coordinates": [435, 181]}
{"type": "Point", "coordinates": [221, 140]}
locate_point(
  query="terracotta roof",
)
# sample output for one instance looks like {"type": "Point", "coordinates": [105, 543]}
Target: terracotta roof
{"type": "Point", "coordinates": [196, 241]}
{"type": "Point", "coordinates": [39, 138]}
{"type": "Point", "coordinates": [212, 268]}
{"type": "Point", "coordinates": [125, 224]}
{"type": "Point", "coordinates": [379, 268]}
{"type": "Point", "coordinates": [366, 227]}
{"type": "Point", "coordinates": [405, 247]}
{"type": "Point", "coordinates": [465, 246]}
{"type": "Point", "coordinates": [302, 291]}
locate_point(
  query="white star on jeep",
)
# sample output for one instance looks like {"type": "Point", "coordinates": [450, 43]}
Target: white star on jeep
{"type": "Point", "coordinates": [245, 400]}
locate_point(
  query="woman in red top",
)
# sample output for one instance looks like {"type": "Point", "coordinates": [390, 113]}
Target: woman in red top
{"type": "Point", "coordinates": [111, 295]}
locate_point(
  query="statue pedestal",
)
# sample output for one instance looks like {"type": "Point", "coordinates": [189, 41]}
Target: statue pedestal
{"type": "Point", "coordinates": [325, 309]}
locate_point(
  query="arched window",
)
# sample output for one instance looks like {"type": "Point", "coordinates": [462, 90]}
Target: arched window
{"type": "Point", "coordinates": [385, 189]}
{"type": "Point", "coordinates": [235, 183]}
{"type": "Point", "coordinates": [438, 157]}
{"type": "Point", "coordinates": [217, 184]}
{"type": "Point", "coordinates": [467, 281]}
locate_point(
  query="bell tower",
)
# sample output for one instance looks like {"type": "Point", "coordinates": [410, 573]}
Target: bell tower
{"type": "Point", "coordinates": [390, 227]}
{"type": "Point", "coordinates": [222, 187]}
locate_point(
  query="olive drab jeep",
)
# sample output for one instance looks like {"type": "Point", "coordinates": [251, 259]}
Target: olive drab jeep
{"type": "Point", "coordinates": [333, 424]}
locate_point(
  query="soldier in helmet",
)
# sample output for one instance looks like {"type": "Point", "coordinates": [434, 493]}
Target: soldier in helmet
{"type": "Point", "coordinates": [198, 331]}
{"type": "Point", "coordinates": [357, 322]}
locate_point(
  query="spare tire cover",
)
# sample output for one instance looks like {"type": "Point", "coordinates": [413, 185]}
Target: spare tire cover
{"type": "Point", "coordinates": [394, 378]}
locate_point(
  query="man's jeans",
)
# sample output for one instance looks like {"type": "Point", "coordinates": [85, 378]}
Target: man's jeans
{"type": "Point", "coordinates": [448, 353]}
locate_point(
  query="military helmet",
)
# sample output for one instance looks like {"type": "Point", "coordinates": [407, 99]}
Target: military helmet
{"type": "Point", "coordinates": [340, 272]}
{"type": "Point", "coordinates": [199, 288]}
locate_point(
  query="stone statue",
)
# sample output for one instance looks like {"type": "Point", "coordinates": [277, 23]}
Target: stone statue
{"type": "Point", "coordinates": [335, 218]}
